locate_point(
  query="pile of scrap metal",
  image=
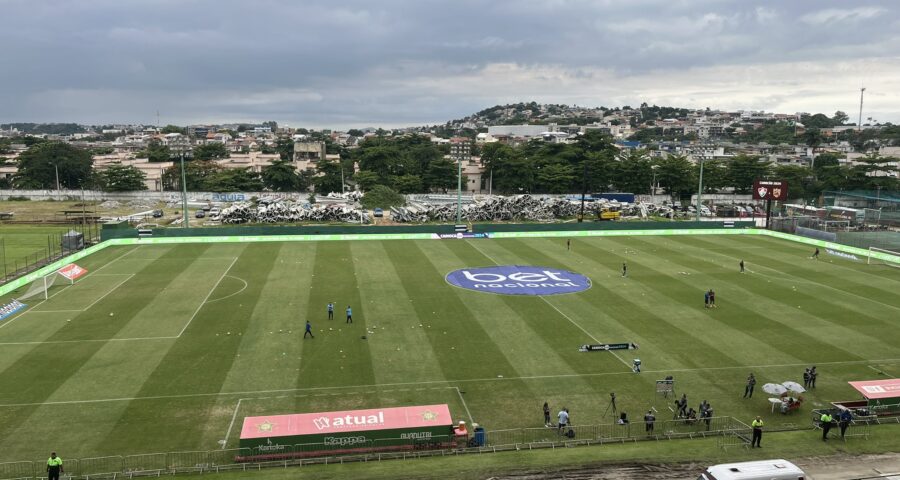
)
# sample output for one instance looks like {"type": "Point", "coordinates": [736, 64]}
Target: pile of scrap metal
{"type": "Point", "coordinates": [515, 208]}
{"type": "Point", "coordinates": [290, 212]}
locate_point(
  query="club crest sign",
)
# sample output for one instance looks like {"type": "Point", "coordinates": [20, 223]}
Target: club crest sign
{"type": "Point", "coordinates": [770, 190]}
{"type": "Point", "coordinates": [519, 280]}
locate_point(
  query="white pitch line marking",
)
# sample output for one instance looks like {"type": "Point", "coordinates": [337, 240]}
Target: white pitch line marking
{"type": "Point", "coordinates": [231, 425]}
{"type": "Point", "coordinates": [213, 289]}
{"type": "Point", "coordinates": [91, 340]}
{"type": "Point", "coordinates": [231, 294]}
{"type": "Point", "coordinates": [433, 382]}
{"type": "Point", "coordinates": [463, 400]}
{"type": "Point", "coordinates": [20, 315]}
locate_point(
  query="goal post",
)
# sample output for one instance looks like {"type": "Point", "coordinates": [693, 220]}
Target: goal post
{"type": "Point", "coordinates": [883, 256]}
{"type": "Point", "coordinates": [41, 286]}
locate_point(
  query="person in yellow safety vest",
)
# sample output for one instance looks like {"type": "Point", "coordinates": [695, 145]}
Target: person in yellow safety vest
{"type": "Point", "coordinates": [54, 466]}
{"type": "Point", "coordinates": [826, 420]}
{"type": "Point", "coordinates": [757, 432]}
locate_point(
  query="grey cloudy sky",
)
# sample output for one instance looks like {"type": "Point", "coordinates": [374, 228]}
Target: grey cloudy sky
{"type": "Point", "coordinates": [319, 63]}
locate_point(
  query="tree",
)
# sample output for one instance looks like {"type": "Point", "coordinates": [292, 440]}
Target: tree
{"type": "Point", "coordinates": [365, 180]}
{"type": "Point", "coordinates": [156, 152]}
{"type": "Point", "coordinates": [173, 129]}
{"type": "Point", "coordinates": [328, 178]}
{"type": "Point", "coordinates": [38, 166]}
{"type": "Point", "coordinates": [233, 180]}
{"type": "Point", "coordinates": [839, 118]}
{"type": "Point", "coordinates": [555, 177]}
{"type": "Point", "coordinates": [441, 175]}
{"type": "Point", "coordinates": [121, 178]}
{"type": "Point", "coordinates": [285, 148]}
{"type": "Point", "coordinates": [675, 174]}
{"type": "Point", "coordinates": [408, 184]}
{"type": "Point", "coordinates": [353, 132]}
{"type": "Point", "coordinates": [196, 173]}
{"type": "Point", "coordinates": [280, 176]}
{"type": "Point", "coordinates": [382, 197]}
{"type": "Point", "coordinates": [714, 175]}
{"type": "Point", "coordinates": [742, 170]}
{"type": "Point", "coordinates": [210, 151]}
{"type": "Point", "coordinates": [633, 172]}
{"type": "Point", "coordinates": [801, 184]}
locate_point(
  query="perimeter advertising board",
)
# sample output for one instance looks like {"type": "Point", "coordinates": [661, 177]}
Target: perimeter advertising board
{"type": "Point", "coordinates": [347, 431]}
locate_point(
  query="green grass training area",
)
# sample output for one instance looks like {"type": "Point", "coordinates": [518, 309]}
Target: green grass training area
{"type": "Point", "coordinates": [164, 348]}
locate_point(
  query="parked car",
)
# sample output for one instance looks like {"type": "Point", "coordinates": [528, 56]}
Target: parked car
{"type": "Point", "coordinates": [157, 214]}
{"type": "Point", "coordinates": [200, 214]}
{"type": "Point", "coordinates": [378, 212]}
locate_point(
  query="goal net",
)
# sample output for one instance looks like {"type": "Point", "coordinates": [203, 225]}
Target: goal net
{"type": "Point", "coordinates": [41, 287]}
{"type": "Point", "coordinates": [883, 256]}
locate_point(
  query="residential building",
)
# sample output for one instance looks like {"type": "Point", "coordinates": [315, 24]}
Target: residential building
{"type": "Point", "coordinates": [308, 154]}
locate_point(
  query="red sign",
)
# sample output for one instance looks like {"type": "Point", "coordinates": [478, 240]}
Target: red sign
{"type": "Point", "coordinates": [71, 271]}
{"type": "Point", "coordinates": [770, 190]}
{"type": "Point", "coordinates": [875, 389]}
{"type": "Point", "coordinates": [347, 421]}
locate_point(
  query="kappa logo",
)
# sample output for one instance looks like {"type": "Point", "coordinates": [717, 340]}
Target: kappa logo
{"type": "Point", "coordinates": [519, 280]}
{"type": "Point", "coordinates": [762, 191]}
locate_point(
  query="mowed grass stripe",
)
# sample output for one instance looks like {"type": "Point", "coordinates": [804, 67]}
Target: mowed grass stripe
{"type": "Point", "coordinates": [806, 312]}
{"type": "Point", "coordinates": [647, 289]}
{"type": "Point", "coordinates": [834, 299]}
{"type": "Point", "coordinates": [557, 332]}
{"type": "Point", "coordinates": [680, 325]}
{"type": "Point", "coordinates": [827, 271]}
{"type": "Point", "coordinates": [392, 317]}
{"type": "Point", "coordinates": [38, 374]}
{"type": "Point", "coordinates": [198, 362]}
{"type": "Point", "coordinates": [525, 329]}
{"type": "Point", "coordinates": [636, 387]}
{"type": "Point", "coordinates": [458, 324]}
{"type": "Point", "coordinates": [271, 346]}
{"type": "Point", "coordinates": [735, 315]}
{"type": "Point", "coordinates": [324, 363]}
{"type": "Point", "coordinates": [455, 323]}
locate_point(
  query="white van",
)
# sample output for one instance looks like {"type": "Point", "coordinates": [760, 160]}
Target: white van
{"type": "Point", "coordinates": [758, 470]}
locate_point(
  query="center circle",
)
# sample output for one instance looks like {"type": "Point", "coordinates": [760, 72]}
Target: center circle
{"type": "Point", "coordinates": [519, 280]}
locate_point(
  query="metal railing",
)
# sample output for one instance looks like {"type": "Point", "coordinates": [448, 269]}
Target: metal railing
{"type": "Point", "coordinates": [728, 431]}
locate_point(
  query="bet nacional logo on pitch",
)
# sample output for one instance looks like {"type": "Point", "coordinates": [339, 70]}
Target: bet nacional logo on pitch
{"type": "Point", "coordinates": [519, 280]}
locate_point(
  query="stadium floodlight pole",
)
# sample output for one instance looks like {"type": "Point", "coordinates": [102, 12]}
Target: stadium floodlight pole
{"type": "Point", "coordinates": [459, 189]}
{"type": "Point", "coordinates": [583, 191]}
{"type": "Point", "coordinates": [700, 189]}
{"type": "Point", "coordinates": [184, 191]}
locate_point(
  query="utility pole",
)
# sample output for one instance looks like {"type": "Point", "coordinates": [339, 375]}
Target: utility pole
{"type": "Point", "coordinates": [700, 189]}
{"type": "Point", "coordinates": [459, 189]}
{"type": "Point", "coordinates": [184, 191]}
{"type": "Point", "coordinates": [859, 124]}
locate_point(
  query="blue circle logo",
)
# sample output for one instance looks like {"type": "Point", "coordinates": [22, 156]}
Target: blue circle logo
{"type": "Point", "coordinates": [519, 280]}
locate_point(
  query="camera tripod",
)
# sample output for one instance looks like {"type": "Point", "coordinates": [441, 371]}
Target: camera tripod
{"type": "Point", "coordinates": [611, 405]}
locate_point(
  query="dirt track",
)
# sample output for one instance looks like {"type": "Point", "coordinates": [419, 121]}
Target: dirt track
{"type": "Point", "coordinates": [835, 467]}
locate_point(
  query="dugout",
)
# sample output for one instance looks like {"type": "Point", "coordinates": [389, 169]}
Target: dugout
{"type": "Point", "coordinates": [880, 398]}
{"type": "Point", "coordinates": [355, 431]}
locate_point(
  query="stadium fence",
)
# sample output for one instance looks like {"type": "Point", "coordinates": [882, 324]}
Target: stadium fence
{"type": "Point", "coordinates": [728, 431]}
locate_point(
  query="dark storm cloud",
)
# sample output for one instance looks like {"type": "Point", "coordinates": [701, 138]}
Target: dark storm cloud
{"type": "Point", "coordinates": [326, 63]}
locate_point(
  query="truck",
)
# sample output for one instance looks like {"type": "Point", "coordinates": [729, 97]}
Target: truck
{"type": "Point", "coordinates": [757, 470]}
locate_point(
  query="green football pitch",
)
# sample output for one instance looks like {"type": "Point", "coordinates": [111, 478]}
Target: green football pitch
{"type": "Point", "coordinates": [165, 348]}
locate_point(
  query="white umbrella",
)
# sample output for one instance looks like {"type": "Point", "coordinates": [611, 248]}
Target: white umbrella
{"type": "Point", "coordinates": [774, 389]}
{"type": "Point", "coordinates": [794, 387]}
